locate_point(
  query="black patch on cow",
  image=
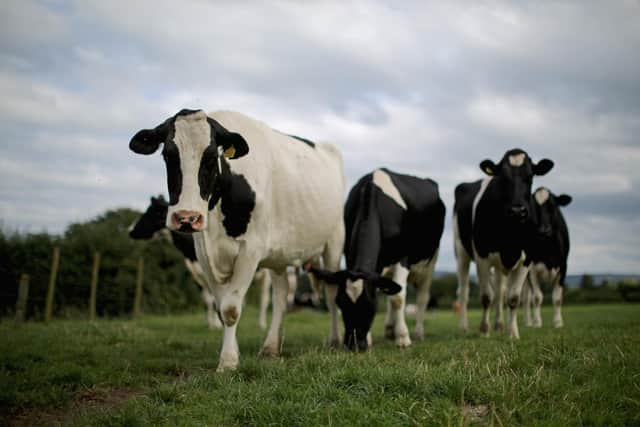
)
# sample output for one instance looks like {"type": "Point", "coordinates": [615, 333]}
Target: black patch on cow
{"type": "Point", "coordinates": [548, 241]}
{"type": "Point", "coordinates": [184, 243]}
{"type": "Point", "coordinates": [379, 233]}
{"type": "Point", "coordinates": [306, 141]}
{"type": "Point", "coordinates": [464, 195]}
{"type": "Point", "coordinates": [237, 200]}
{"type": "Point", "coordinates": [299, 138]}
{"type": "Point", "coordinates": [151, 221]}
{"type": "Point", "coordinates": [171, 156]}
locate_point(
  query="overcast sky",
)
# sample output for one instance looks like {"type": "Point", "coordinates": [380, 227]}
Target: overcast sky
{"type": "Point", "coordinates": [424, 88]}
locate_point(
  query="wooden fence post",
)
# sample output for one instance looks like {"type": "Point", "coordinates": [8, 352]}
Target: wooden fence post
{"type": "Point", "coordinates": [138, 296]}
{"type": "Point", "coordinates": [94, 286]}
{"type": "Point", "coordinates": [52, 284]}
{"type": "Point", "coordinates": [23, 295]}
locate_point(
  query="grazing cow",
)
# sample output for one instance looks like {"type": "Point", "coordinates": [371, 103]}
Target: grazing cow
{"type": "Point", "coordinates": [548, 251]}
{"type": "Point", "coordinates": [154, 221]}
{"type": "Point", "coordinates": [252, 197]}
{"type": "Point", "coordinates": [490, 227]}
{"type": "Point", "coordinates": [393, 222]}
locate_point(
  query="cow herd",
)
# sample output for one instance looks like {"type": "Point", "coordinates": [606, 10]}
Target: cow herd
{"type": "Point", "coordinates": [245, 199]}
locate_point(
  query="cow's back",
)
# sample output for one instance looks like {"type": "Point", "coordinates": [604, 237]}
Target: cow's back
{"type": "Point", "coordinates": [299, 187]}
{"type": "Point", "coordinates": [411, 230]}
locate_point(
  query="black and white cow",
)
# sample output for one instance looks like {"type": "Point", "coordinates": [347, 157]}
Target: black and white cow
{"type": "Point", "coordinates": [253, 197]}
{"type": "Point", "coordinates": [548, 251]}
{"type": "Point", "coordinates": [392, 222]}
{"type": "Point", "coordinates": [154, 222]}
{"type": "Point", "coordinates": [490, 221]}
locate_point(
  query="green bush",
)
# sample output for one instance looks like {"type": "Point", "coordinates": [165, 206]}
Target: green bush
{"type": "Point", "coordinates": [168, 286]}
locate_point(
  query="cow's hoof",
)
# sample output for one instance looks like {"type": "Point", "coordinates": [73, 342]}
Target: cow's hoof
{"type": "Point", "coordinates": [418, 336]}
{"type": "Point", "coordinates": [498, 326]}
{"type": "Point", "coordinates": [403, 341]}
{"type": "Point", "coordinates": [484, 328]}
{"type": "Point", "coordinates": [514, 335]}
{"type": "Point", "coordinates": [269, 353]}
{"type": "Point", "coordinates": [558, 324]}
{"type": "Point", "coordinates": [334, 343]}
{"type": "Point", "coordinates": [225, 366]}
{"type": "Point", "coordinates": [389, 332]}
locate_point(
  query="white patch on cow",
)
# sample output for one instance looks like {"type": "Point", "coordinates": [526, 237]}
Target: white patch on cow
{"type": "Point", "coordinates": [517, 159]}
{"type": "Point", "coordinates": [476, 200]}
{"type": "Point", "coordinates": [192, 136]}
{"type": "Point", "coordinates": [383, 181]}
{"type": "Point", "coordinates": [541, 196]}
{"type": "Point", "coordinates": [354, 289]}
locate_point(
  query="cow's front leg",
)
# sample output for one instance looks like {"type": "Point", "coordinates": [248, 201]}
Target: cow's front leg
{"type": "Point", "coordinates": [486, 291]}
{"type": "Point", "coordinates": [557, 302]}
{"type": "Point", "coordinates": [526, 301]}
{"type": "Point", "coordinates": [500, 283]}
{"type": "Point", "coordinates": [398, 302]}
{"type": "Point", "coordinates": [232, 295]}
{"type": "Point", "coordinates": [516, 281]}
{"type": "Point", "coordinates": [273, 342]}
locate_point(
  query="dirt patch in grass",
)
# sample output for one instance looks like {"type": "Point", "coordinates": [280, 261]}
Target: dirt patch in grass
{"type": "Point", "coordinates": [475, 413]}
{"type": "Point", "coordinates": [93, 398]}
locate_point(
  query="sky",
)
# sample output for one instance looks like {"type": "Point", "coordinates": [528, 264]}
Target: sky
{"type": "Point", "coordinates": [423, 88]}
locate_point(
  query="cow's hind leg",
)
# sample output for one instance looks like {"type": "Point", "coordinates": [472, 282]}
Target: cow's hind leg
{"type": "Point", "coordinates": [273, 342]}
{"type": "Point", "coordinates": [536, 296]}
{"type": "Point", "coordinates": [422, 297]}
{"type": "Point", "coordinates": [263, 277]}
{"type": "Point", "coordinates": [486, 291]}
{"type": "Point", "coordinates": [331, 259]}
{"type": "Point", "coordinates": [462, 263]}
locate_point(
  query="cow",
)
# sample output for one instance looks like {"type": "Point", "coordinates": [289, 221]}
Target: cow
{"type": "Point", "coordinates": [394, 223]}
{"type": "Point", "coordinates": [490, 221]}
{"type": "Point", "coordinates": [252, 197]}
{"type": "Point", "coordinates": [548, 251]}
{"type": "Point", "coordinates": [153, 222]}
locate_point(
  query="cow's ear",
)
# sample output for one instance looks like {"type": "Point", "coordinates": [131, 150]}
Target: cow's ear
{"type": "Point", "coordinates": [488, 167]}
{"type": "Point", "coordinates": [542, 167]}
{"type": "Point", "coordinates": [233, 144]}
{"type": "Point", "coordinates": [334, 278]}
{"type": "Point", "coordinates": [147, 141]}
{"type": "Point", "coordinates": [563, 200]}
{"type": "Point", "coordinates": [387, 286]}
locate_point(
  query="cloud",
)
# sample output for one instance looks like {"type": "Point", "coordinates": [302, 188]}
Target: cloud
{"type": "Point", "coordinates": [428, 89]}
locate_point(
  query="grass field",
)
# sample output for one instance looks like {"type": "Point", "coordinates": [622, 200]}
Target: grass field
{"type": "Point", "coordinates": [161, 371]}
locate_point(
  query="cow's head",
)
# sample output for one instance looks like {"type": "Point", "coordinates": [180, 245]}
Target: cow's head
{"type": "Point", "coordinates": [515, 174]}
{"type": "Point", "coordinates": [357, 301]}
{"type": "Point", "coordinates": [194, 145]}
{"type": "Point", "coordinates": [546, 210]}
{"type": "Point", "coordinates": [153, 220]}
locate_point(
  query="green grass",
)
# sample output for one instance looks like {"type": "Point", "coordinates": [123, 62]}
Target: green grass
{"type": "Point", "coordinates": [161, 371]}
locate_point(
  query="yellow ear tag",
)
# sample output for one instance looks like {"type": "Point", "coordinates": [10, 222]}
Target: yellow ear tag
{"type": "Point", "coordinates": [230, 152]}
{"type": "Point", "coordinates": [488, 170]}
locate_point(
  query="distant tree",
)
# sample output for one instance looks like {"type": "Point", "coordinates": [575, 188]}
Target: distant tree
{"type": "Point", "coordinates": [586, 282]}
{"type": "Point", "coordinates": [167, 284]}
